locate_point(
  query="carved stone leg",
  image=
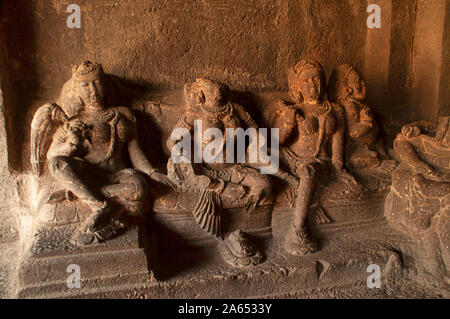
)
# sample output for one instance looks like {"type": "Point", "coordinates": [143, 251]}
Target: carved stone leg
{"type": "Point", "coordinates": [78, 177]}
{"type": "Point", "coordinates": [128, 193]}
{"type": "Point", "coordinates": [129, 190]}
{"type": "Point", "coordinates": [308, 175]}
{"type": "Point", "coordinates": [69, 173]}
{"type": "Point", "coordinates": [298, 240]}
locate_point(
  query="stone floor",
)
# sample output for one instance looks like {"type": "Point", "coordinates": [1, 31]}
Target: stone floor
{"type": "Point", "coordinates": [338, 270]}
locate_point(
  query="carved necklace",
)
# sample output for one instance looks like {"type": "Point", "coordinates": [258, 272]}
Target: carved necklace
{"type": "Point", "coordinates": [217, 112]}
{"type": "Point", "coordinates": [111, 117]}
{"type": "Point", "coordinates": [102, 116]}
{"type": "Point", "coordinates": [321, 113]}
{"type": "Point", "coordinates": [318, 111]}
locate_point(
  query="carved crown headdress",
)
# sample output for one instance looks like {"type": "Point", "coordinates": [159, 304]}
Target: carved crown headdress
{"type": "Point", "coordinates": [193, 91]}
{"type": "Point", "coordinates": [87, 69]}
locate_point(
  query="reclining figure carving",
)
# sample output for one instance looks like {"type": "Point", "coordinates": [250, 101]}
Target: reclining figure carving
{"type": "Point", "coordinates": [83, 142]}
{"type": "Point", "coordinates": [413, 147]}
{"type": "Point", "coordinates": [419, 200]}
{"type": "Point", "coordinates": [422, 180]}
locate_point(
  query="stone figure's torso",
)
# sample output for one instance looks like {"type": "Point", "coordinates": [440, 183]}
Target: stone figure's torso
{"type": "Point", "coordinates": [314, 131]}
{"type": "Point", "coordinates": [222, 121]}
{"type": "Point", "coordinates": [107, 137]}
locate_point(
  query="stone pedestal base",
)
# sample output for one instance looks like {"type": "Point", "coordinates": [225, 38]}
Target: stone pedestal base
{"type": "Point", "coordinates": [117, 265]}
{"type": "Point", "coordinates": [338, 270]}
{"type": "Point", "coordinates": [119, 268]}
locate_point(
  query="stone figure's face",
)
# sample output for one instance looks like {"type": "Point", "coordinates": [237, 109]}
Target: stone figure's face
{"type": "Point", "coordinates": [356, 86]}
{"type": "Point", "coordinates": [91, 90]}
{"type": "Point", "coordinates": [311, 85]}
{"type": "Point", "coordinates": [211, 96]}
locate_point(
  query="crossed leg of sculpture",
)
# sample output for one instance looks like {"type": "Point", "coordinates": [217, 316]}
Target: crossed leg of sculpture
{"type": "Point", "coordinates": [298, 240]}
{"type": "Point", "coordinates": [104, 221]}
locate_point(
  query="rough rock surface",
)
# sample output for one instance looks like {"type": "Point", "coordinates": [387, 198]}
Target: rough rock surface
{"type": "Point", "coordinates": [153, 47]}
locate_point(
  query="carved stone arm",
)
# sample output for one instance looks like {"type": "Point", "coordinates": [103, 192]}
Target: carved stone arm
{"type": "Point", "coordinates": [67, 140]}
{"type": "Point", "coordinates": [187, 122]}
{"type": "Point", "coordinates": [138, 158]}
{"type": "Point", "coordinates": [425, 127]}
{"type": "Point", "coordinates": [279, 115]}
{"type": "Point", "coordinates": [338, 142]}
{"type": "Point", "coordinates": [141, 163]}
{"type": "Point", "coordinates": [245, 116]}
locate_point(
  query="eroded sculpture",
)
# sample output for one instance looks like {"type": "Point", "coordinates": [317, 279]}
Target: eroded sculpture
{"type": "Point", "coordinates": [82, 144]}
{"type": "Point", "coordinates": [419, 200]}
{"type": "Point", "coordinates": [422, 180]}
{"type": "Point", "coordinates": [309, 126]}
{"type": "Point", "coordinates": [218, 183]}
{"type": "Point", "coordinates": [364, 146]}
{"type": "Point", "coordinates": [86, 151]}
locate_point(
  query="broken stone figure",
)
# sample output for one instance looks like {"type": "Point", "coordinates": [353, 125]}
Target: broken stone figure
{"type": "Point", "coordinates": [217, 183]}
{"type": "Point", "coordinates": [83, 142]}
{"type": "Point", "coordinates": [309, 125]}
{"type": "Point", "coordinates": [419, 200]}
{"type": "Point", "coordinates": [364, 146]}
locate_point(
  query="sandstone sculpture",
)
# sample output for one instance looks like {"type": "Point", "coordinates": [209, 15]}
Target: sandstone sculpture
{"type": "Point", "coordinates": [83, 142]}
{"type": "Point", "coordinates": [364, 147]}
{"type": "Point", "coordinates": [421, 183]}
{"type": "Point", "coordinates": [86, 151]}
{"type": "Point", "coordinates": [219, 183]}
{"type": "Point", "coordinates": [419, 200]}
{"type": "Point", "coordinates": [309, 125]}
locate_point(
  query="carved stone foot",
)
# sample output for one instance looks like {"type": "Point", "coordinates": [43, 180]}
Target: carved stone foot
{"type": "Point", "coordinates": [85, 237]}
{"type": "Point", "coordinates": [238, 252]}
{"type": "Point", "coordinates": [97, 228]}
{"type": "Point", "coordinates": [100, 217]}
{"type": "Point", "coordinates": [298, 242]}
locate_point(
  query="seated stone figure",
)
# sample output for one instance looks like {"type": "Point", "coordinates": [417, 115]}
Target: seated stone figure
{"type": "Point", "coordinates": [364, 147]}
{"type": "Point", "coordinates": [219, 184]}
{"type": "Point", "coordinates": [419, 200]}
{"type": "Point", "coordinates": [309, 126]}
{"type": "Point", "coordinates": [83, 142]}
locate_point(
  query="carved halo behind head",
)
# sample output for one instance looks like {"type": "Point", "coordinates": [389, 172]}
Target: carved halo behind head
{"type": "Point", "coordinates": [294, 77]}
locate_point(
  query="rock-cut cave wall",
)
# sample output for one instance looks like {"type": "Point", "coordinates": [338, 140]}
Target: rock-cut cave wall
{"type": "Point", "coordinates": [248, 45]}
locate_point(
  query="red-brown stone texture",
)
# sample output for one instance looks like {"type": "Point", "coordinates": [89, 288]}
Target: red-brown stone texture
{"type": "Point", "coordinates": [154, 47]}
